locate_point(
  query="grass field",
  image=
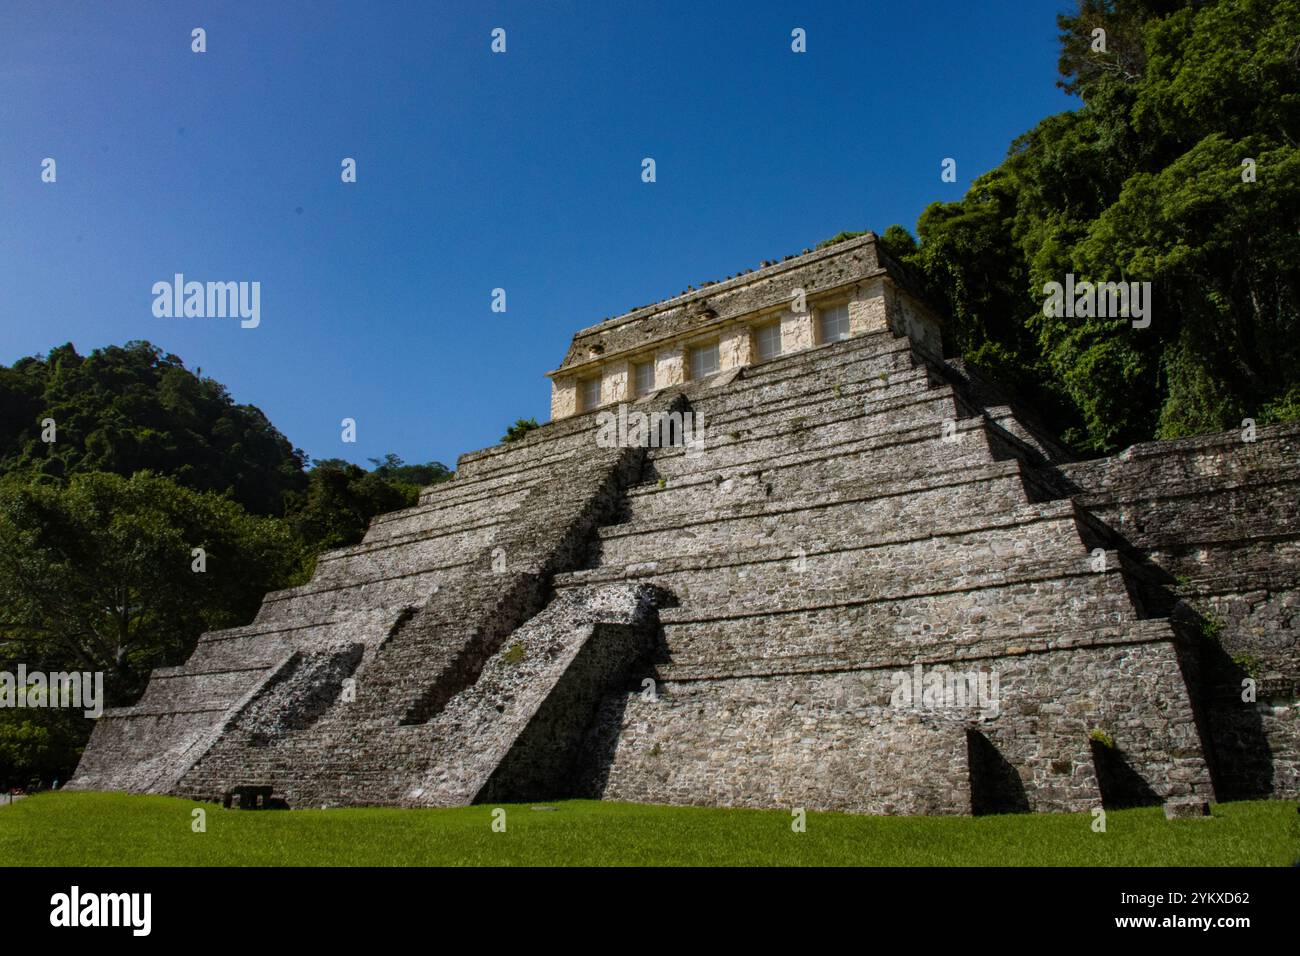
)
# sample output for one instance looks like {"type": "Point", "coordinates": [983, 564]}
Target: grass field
{"type": "Point", "coordinates": [92, 829]}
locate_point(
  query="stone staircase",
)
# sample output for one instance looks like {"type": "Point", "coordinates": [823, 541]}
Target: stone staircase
{"type": "Point", "coordinates": [408, 618]}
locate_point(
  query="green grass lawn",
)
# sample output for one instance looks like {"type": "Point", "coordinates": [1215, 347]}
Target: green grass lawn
{"type": "Point", "coordinates": [81, 829]}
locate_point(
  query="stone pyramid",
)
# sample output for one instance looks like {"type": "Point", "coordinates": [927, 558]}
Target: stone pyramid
{"type": "Point", "coordinates": [840, 572]}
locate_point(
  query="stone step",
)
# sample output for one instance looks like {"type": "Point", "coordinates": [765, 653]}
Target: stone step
{"type": "Point", "coordinates": [235, 653]}
{"type": "Point", "coordinates": [193, 668]}
{"type": "Point", "coordinates": [447, 565]}
{"type": "Point", "coordinates": [920, 496]}
{"type": "Point", "coordinates": [1256, 588]}
{"type": "Point", "coordinates": [1160, 464]}
{"type": "Point", "coordinates": [513, 457]}
{"type": "Point", "coordinates": [825, 401]}
{"type": "Point", "coordinates": [555, 439]}
{"type": "Point", "coordinates": [426, 552]}
{"type": "Point", "coordinates": [862, 462]}
{"type": "Point", "coordinates": [974, 549]}
{"type": "Point", "coordinates": [988, 651]}
{"type": "Point", "coordinates": [444, 516]}
{"type": "Point", "coordinates": [1053, 594]}
{"type": "Point", "coordinates": [866, 399]}
{"type": "Point", "coordinates": [551, 443]}
{"type": "Point", "coordinates": [476, 487]}
{"type": "Point", "coordinates": [127, 714]}
{"type": "Point", "coordinates": [1195, 511]}
{"type": "Point", "coordinates": [880, 349]}
{"type": "Point", "coordinates": [852, 577]}
{"type": "Point", "coordinates": [929, 412]}
{"type": "Point", "coordinates": [874, 412]}
{"type": "Point", "coordinates": [826, 528]}
{"type": "Point", "coordinates": [215, 688]}
{"type": "Point", "coordinates": [377, 595]}
{"type": "Point", "coordinates": [856, 457]}
{"type": "Point", "coordinates": [805, 379]}
{"type": "Point", "coordinates": [250, 631]}
{"type": "Point", "coordinates": [1258, 565]}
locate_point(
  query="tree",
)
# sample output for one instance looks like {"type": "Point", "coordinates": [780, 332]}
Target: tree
{"type": "Point", "coordinates": [40, 744]}
{"type": "Point", "coordinates": [392, 468]}
{"type": "Point", "coordinates": [135, 408]}
{"type": "Point", "coordinates": [341, 498]}
{"type": "Point", "coordinates": [1146, 182]}
{"type": "Point", "coordinates": [101, 575]}
{"type": "Point", "coordinates": [519, 429]}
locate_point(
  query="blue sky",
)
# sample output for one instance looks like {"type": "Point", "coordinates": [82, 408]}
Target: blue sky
{"type": "Point", "coordinates": [475, 171]}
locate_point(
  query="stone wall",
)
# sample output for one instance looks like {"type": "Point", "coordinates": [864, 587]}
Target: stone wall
{"type": "Point", "coordinates": [832, 741]}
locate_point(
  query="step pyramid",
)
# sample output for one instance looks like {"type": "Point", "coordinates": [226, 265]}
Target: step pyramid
{"type": "Point", "coordinates": [853, 576]}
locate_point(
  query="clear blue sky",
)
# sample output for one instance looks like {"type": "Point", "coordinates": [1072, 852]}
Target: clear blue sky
{"type": "Point", "coordinates": [475, 171]}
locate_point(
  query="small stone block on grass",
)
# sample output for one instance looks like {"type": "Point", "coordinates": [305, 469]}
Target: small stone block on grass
{"type": "Point", "coordinates": [1187, 808]}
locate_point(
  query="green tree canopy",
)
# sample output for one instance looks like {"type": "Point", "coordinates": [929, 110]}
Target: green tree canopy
{"type": "Point", "coordinates": [340, 499]}
{"type": "Point", "coordinates": [392, 468]}
{"type": "Point", "coordinates": [135, 408]}
{"type": "Point", "coordinates": [1147, 182]}
{"type": "Point", "coordinates": [519, 429]}
{"type": "Point", "coordinates": [100, 574]}
{"type": "Point", "coordinates": [97, 550]}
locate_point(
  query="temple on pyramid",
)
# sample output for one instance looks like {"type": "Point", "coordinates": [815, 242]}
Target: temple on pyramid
{"type": "Point", "coordinates": [838, 571]}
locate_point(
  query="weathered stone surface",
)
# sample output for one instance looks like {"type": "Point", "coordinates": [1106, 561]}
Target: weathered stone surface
{"type": "Point", "coordinates": [732, 622]}
{"type": "Point", "coordinates": [1187, 808]}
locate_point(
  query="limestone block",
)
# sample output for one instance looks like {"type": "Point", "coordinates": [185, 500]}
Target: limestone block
{"type": "Point", "coordinates": [867, 308]}
{"type": "Point", "coordinates": [735, 347]}
{"type": "Point", "coordinates": [1186, 808]}
{"type": "Point", "coordinates": [796, 331]}
{"type": "Point", "coordinates": [564, 398]}
{"type": "Point", "coordinates": [670, 367]}
{"type": "Point", "coordinates": [614, 383]}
